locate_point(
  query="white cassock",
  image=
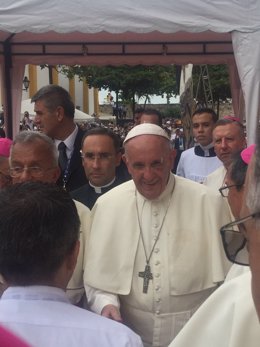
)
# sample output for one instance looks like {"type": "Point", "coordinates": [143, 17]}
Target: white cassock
{"type": "Point", "coordinates": [216, 179]}
{"type": "Point", "coordinates": [227, 319]}
{"type": "Point", "coordinates": [75, 288]}
{"type": "Point", "coordinates": [187, 261]}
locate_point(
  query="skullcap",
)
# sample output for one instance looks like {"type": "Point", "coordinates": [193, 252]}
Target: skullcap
{"type": "Point", "coordinates": [146, 129]}
{"type": "Point", "coordinates": [247, 153]}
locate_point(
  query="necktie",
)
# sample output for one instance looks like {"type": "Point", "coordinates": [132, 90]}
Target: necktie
{"type": "Point", "coordinates": [63, 159]}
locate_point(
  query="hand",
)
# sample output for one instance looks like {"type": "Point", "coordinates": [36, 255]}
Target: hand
{"type": "Point", "coordinates": [112, 312]}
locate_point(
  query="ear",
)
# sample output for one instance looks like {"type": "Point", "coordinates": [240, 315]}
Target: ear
{"type": "Point", "coordinates": [56, 174]}
{"type": "Point", "coordinates": [60, 113]}
{"type": "Point", "coordinates": [118, 158]}
{"type": "Point", "coordinates": [73, 257]}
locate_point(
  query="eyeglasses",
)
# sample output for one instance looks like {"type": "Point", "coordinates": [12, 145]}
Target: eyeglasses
{"type": "Point", "coordinates": [234, 241]}
{"type": "Point", "coordinates": [92, 156]}
{"type": "Point", "coordinates": [35, 171]}
{"type": "Point", "coordinates": [224, 190]}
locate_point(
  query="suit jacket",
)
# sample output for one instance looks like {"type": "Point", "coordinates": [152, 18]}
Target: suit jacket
{"type": "Point", "coordinates": [76, 174]}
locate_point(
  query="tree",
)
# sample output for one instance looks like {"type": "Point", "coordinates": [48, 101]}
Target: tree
{"type": "Point", "coordinates": [128, 82]}
{"type": "Point", "coordinates": [219, 80]}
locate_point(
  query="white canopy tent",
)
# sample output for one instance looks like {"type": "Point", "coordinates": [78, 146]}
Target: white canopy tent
{"type": "Point", "coordinates": [134, 32]}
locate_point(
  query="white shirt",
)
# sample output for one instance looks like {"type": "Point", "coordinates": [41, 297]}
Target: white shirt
{"type": "Point", "coordinates": [227, 319]}
{"type": "Point", "coordinates": [195, 167]}
{"type": "Point", "coordinates": [43, 317]}
{"type": "Point", "coordinates": [69, 142]}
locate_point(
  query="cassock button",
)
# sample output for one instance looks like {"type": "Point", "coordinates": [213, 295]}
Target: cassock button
{"type": "Point", "coordinates": [157, 312]}
{"type": "Point", "coordinates": [158, 300]}
{"type": "Point", "coordinates": [155, 225]}
{"type": "Point", "coordinates": [157, 262]}
{"type": "Point", "coordinates": [157, 287]}
{"type": "Point", "coordinates": [156, 250]}
{"type": "Point", "coordinates": [157, 275]}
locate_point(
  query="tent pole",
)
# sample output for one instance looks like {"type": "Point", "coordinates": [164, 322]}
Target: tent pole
{"type": "Point", "coordinates": [8, 112]}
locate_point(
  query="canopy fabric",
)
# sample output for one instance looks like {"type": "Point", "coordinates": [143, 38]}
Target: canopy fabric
{"type": "Point", "coordinates": [94, 16]}
{"type": "Point", "coordinates": [134, 32]}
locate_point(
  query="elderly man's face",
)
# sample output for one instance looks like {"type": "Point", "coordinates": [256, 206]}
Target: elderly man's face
{"type": "Point", "coordinates": [149, 160]}
{"type": "Point", "coordinates": [227, 141]}
{"type": "Point", "coordinates": [252, 227]}
{"type": "Point", "coordinates": [29, 156]}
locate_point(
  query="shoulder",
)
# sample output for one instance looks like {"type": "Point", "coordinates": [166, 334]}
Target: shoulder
{"type": "Point", "coordinates": [82, 209]}
{"type": "Point", "coordinates": [116, 194]}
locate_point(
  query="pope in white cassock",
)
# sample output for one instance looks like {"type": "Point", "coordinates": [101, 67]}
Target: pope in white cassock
{"type": "Point", "coordinates": [154, 251]}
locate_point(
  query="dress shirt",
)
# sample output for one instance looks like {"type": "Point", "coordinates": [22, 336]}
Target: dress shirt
{"type": "Point", "coordinates": [43, 317]}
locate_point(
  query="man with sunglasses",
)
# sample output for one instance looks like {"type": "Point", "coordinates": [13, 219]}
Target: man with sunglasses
{"type": "Point", "coordinates": [230, 317]}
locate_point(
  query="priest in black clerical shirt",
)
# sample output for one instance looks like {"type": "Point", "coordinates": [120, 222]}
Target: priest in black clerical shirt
{"type": "Point", "coordinates": [101, 159]}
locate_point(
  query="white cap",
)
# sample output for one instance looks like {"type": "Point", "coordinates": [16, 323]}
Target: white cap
{"type": "Point", "coordinates": [146, 129]}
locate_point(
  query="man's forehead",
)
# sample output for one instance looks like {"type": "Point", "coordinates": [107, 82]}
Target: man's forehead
{"type": "Point", "coordinates": [197, 118]}
{"type": "Point", "coordinates": [226, 130]}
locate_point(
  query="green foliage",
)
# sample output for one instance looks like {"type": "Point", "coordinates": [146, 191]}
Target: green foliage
{"type": "Point", "coordinates": [219, 80]}
{"type": "Point", "coordinates": [128, 82]}
{"type": "Point", "coordinates": [173, 111]}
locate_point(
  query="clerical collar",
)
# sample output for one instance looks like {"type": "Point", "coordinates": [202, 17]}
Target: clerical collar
{"type": "Point", "coordinates": [205, 151]}
{"type": "Point", "coordinates": [98, 190]}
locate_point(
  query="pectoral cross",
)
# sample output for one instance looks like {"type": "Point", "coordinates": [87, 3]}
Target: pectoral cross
{"type": "Point", "coordinates": [147, 276]}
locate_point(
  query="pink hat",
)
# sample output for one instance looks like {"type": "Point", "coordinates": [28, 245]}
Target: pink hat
{"type": "Point", "coordinates": [5, 145]}
{"type": "Point", "coordinates": [247, 153]}
{"type": "Point", "coordinates": [231, 117]}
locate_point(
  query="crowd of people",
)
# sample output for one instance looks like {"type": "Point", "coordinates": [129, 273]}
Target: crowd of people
{"type": "Point", "coordinates": [102, 244]}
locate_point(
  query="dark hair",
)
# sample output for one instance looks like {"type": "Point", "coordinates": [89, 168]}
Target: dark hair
{"type": "Point", "coordinates": [153, 112]}
{"type": "Point", "coordinates": [139, 110]}
{"type": "Point", "coordinates": [104, 132]}
{"type": "Point", "coordinates": [201, 110]}
{"type": "Point", "coordinates": [237, 170]}
{"type": "Point", "coordinates": [39, 228]}
{"type": "Point", "coordinates": [226, 121]}
{"type": "Point", "coordinates": [55, 96]}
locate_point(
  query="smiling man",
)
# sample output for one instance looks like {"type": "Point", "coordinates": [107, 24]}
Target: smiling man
{"type": "Point", "coordinates": [144, 248]}
{"type": "Point", "coordinates": [198, 162]}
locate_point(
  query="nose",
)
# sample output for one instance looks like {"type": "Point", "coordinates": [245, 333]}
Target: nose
{"type": "Point", "coordinates": [223, 143]}
{"type": "Point", "coordinates": [25, 176]}
{"type": "Point", "coordinates": [96, 163]}
{"type": "Point", "coordinates": [148, 173]}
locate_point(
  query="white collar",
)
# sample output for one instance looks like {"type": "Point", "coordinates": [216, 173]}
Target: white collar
{"type": "Point", "coordinates": [45, 293]}
{"type": "Point", "coordinates": [69, 141]}
{"type": "Point", "coordinates": [98, 190]}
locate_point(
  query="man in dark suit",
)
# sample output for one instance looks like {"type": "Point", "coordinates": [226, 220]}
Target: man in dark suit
{"type": "Point", "coordinates": [55, 117]}
{"type": "Point", "coordinates": [101, 156]}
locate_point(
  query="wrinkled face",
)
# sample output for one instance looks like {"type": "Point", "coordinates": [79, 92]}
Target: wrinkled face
{"type": "Point", "coordinates": [149, 160]}
{"type": "Point", "coordinates": [252, 228]}
{"type": "Point", "coordinates": [30, 156]}
{"type": "Point", "coordinates": [48, 122]}
{"type": "Point", "coordinates": [202, 128]}
{"type": "Point", "coordinates": [227, 141]}
{"type": "Point", "coordinates": [100, 159]}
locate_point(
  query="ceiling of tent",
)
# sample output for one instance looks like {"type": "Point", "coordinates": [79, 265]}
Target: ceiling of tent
{"type": "Point", "coordinates": [133, 32]}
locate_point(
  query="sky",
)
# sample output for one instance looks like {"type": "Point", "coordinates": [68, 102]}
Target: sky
{"type": "Point", "coordinates": [154, 100]}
